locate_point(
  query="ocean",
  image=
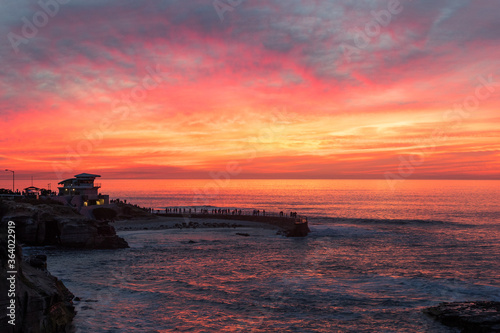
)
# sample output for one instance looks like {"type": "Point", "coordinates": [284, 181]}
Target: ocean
{"type": "Point", "coordinates": [375, 258]}
{"type": "Point", "coordinates": [465, 201]}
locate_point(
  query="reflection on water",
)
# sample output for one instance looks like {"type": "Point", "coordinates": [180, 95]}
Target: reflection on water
{"type": "Point", "coordinates": [350, 277]}
{"type": "Point", "coordinates": [394, 253]}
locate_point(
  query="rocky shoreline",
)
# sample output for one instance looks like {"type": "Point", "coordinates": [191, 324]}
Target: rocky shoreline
{"type": "Point", "coordinates": [42, 303]}
{"type": "Point", "coordinates": [56, 224]}
{"type": "Point", "coordinates": [469, 317]}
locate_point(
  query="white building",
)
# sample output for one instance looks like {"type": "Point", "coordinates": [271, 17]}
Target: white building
{"type": "Point", "coordinates": [84, 187]}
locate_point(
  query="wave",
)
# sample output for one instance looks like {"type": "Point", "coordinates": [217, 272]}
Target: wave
{"type": "Point", "coordinates": [394, 222]}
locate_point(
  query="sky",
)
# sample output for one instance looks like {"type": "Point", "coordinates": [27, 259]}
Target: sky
{"type": "Point", "coordinates": [250, 89]}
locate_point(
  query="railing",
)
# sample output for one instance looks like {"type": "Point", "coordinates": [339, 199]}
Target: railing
{"type": "Point", "coordinates": [230, 212]}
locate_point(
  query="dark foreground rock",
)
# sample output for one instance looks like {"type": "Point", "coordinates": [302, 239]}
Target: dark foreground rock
{"type": "Point", "coordinates": [42, 302]}
{"type": "Point", "coordinates": [299, 230]}
{"type": "Point", "coordinates": [470, 317]}
{"type": "Point", "coordinates": [49, 224]}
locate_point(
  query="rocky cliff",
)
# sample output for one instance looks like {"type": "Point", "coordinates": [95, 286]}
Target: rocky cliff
{"type": "Point", "coordinates": [56, 224]}
{"type": "Point", "coordinates": [42, 304]}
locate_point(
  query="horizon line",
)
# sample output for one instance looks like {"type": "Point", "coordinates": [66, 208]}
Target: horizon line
{"type": "Point", "coordinates": [236, 178]}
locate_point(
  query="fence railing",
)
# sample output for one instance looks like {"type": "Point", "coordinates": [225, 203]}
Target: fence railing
{"type": "Point", "coordinates": [228, 212]}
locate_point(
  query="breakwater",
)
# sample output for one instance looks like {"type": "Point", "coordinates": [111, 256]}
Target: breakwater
{"type": "Point", "coordinates": [294, 226]}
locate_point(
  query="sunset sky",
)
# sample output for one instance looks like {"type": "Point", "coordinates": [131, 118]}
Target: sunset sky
{"type": "Point", "coordinates": [254, 89]}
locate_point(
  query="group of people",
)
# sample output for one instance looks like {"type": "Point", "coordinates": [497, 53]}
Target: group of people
{"type": "Point", "coordinates": [222, 211]}
{"type": "Point", "coordinates": [226, 211]}
{"type": "Point", "coordinates": [178, 210]}
{"type": "Point", "coordinates": [292, 214]}
{"type": "Point", "coordinates": [214, 211]}
{"type": "Point", "coordinates": [256, 212]}
{"type": "Point", "coordinates": [119, 201]}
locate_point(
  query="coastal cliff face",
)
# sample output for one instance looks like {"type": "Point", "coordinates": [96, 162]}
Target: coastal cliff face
{"type": "Point", "coordinates": [42, 302]}
{"type": "Point", "coordinates": [55, 224]}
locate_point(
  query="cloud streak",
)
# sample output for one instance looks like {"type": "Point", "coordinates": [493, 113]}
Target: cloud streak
{"type": "Point", "coordinates": [223, 81]}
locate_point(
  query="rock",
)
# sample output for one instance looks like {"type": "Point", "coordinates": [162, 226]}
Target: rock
{"type": "Point", "coordinates": [110, 242]}
{"type": "Point", "coordinates": [299, 230]}
{"type": "Point", "coordinates": [470, 317]}
{"type": "Point", "coordinates": [104, 213]}
{"type": "Point", "coordinates": [243, 234]}
{"type": "Point", "coordinates": [43, 304]}
{"type": "Point", "coordinates": [77, 234]}
{"type": "Point", "coordinates": [127, 212]}
{"type": "Point", "coordinates": [47, 224]}
{"type": "Point", "coordinates": [41, 257]}
{"type": "Point", "coordinates": [106, 229]}
{"type": "Point", "coordinates": [37, 262]}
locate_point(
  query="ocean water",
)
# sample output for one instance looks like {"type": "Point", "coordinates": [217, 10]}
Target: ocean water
{"type": "Point", "coordinates": [465, 201]}
{"type": "Point", "coordinates": [396, 252]}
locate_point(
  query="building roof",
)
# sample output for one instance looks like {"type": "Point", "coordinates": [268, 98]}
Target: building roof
{"type": "Point", "coordinates": [87, 175]}
{"type": "Point", "coordinates": [32, 189]}
{"type": "Point", "coordinates": [66, 180]}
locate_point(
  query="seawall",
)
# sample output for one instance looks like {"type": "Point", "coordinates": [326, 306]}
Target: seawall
{"type": "Point", "coordinates": [291, 226]}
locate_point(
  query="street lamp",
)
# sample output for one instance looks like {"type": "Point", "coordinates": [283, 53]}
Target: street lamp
{"type": "Point", "coordinates": [12, 179]}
